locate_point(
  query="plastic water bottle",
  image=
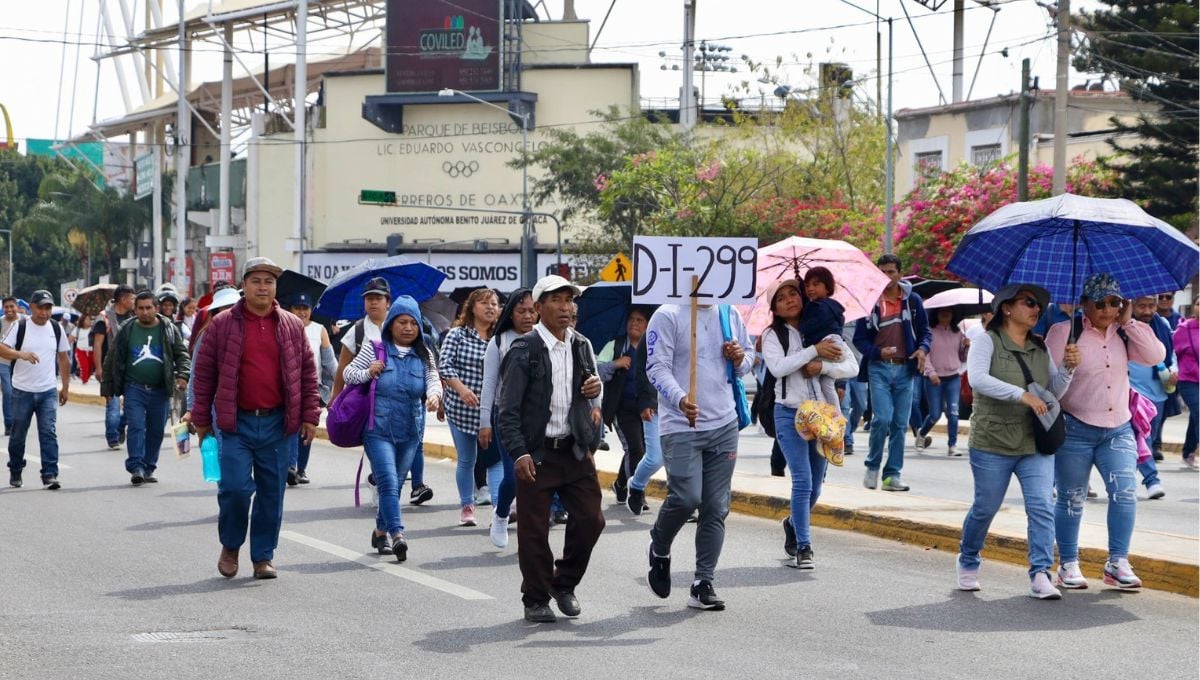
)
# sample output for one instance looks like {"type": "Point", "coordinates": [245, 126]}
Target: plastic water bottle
{"type": "Point", "coordinates": [1164, 376]}
{"type": "Point", "coordinates": [210, 455]}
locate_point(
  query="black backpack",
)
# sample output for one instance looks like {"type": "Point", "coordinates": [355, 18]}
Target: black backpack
{"type": "Point", "coordinates": [764, 400]}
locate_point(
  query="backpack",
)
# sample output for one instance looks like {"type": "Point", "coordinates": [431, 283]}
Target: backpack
{"type": "Point", "coordinates": [57, 337]}
{"type": "Point", "coordinates": [765, 399]}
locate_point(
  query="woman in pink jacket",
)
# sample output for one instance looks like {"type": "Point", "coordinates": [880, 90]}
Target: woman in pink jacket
{"type": "Point", "coordinates": [1187, 346]}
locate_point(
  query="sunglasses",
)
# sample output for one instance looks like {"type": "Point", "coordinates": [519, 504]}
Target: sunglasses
{"type": "Point", "coordinates": [1167, 296]}
{"type": "Point", "coordinates": [1115, 303]}
{"type": "Point", "coordinates": [1027, 301]}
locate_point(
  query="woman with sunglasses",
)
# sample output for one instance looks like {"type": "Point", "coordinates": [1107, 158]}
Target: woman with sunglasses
{"type": "Point", "coordinates": [1098, 426]}
{"type": "Point", "coordinates": [1001, 442]}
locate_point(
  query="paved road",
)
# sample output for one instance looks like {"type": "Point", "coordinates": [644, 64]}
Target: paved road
{"type": "Point", "coordinates": [92, 569]}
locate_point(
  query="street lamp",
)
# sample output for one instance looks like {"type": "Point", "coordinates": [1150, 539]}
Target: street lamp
{"type": "Point", "coordinates": [528, 256]}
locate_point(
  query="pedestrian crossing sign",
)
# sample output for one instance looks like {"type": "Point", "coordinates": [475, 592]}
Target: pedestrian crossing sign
{"type": "Point", "coordinates": [618, 269]}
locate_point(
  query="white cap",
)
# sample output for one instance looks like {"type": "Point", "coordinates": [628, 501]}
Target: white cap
{"type": "Point", "coordinates": [549, 284]}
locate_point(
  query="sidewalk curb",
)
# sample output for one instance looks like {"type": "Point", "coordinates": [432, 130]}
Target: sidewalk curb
{"type": "Point", "coordinates": [1156, 573]}
{"type": "Point", "coordinates": [964, 430]}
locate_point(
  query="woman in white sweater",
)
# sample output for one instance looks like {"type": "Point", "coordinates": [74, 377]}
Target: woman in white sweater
{"type": "Point", "coordinates": [797, 372]}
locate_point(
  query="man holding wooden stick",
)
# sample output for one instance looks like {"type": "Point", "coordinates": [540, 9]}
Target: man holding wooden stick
{"type": "Point", "coordinates": [699, 430]}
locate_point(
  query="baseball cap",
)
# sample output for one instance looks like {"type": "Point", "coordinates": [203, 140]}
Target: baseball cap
{"type": "Point", "coordinates": [773, 290]}
{"type": "Point", "coordinates": [41, 297]}
{"type": "Point", "coordinates": [1099, 286]}
{"type": "Point", "coordinates": [300, 300]}
{"type": "Point", "coordinates": [261, 264]}
{"type": "Point", "coordinates": [378, 286]}
{"type": "Point", "coordinates": [549, 284]}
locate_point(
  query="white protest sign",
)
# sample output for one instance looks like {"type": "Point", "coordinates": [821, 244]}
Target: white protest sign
{"type": "Point", "coordinates": [663, 267]}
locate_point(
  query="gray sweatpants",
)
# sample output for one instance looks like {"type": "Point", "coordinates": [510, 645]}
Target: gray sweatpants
{"type": "Point", "coordinates": [699, 471]}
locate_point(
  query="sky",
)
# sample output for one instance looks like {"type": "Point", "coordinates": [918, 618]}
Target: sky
{"type": "Point", "coordinates": [49, 87]}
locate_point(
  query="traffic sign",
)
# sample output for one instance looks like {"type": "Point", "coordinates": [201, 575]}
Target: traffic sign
{"type": "Point", "coordinates": [618, 269]}
{"type": "Point", "coordinates": [377, 197]}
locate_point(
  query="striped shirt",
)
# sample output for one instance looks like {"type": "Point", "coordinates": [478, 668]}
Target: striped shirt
{"type": "Point", "coordinates": [562, 372]}
{"type": "Point", "coordinates": [356, 371]}
{"type": "Point", "coordinates": [462, 358]}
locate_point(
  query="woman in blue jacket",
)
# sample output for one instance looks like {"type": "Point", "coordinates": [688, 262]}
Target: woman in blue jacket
{"type": "Point", "coordinates": [408, 386]}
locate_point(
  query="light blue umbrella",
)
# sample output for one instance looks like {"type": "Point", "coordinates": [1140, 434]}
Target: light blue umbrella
{"type": "Point", "coordinates": [1058, 242]}
{"type": "Point", "coordinates": [343, 298]}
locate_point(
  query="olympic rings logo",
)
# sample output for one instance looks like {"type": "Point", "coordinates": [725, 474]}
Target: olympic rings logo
{"type": "Point", "coordinates": [460, 168]}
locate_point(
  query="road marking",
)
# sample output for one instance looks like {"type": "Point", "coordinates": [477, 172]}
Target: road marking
{"type": "Point", "coordinates": [387, 567]}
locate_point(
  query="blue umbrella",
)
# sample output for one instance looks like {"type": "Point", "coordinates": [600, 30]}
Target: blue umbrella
{"type": "Point", "coordinates": [343, 298]}
{"type": "Point", "coordinates": [1058, 242]}
{"type": "Point", "coordinates": [603, 309]}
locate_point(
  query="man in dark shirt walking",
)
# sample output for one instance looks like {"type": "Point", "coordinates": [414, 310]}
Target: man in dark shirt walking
{"type": "Point", "coordinates": [256, 365]}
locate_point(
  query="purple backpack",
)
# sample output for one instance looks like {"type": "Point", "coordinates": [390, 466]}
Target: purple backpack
{"type": "Point", "coordinates": [353, 410]}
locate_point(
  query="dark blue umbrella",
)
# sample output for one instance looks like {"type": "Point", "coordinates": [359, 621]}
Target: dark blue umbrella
{"type": "Point", "coordinates": [343, 298]}
{"type": "Point", "coordinates": [1058, 242]}
{"type": "Point", "coordinates": [603, 309]}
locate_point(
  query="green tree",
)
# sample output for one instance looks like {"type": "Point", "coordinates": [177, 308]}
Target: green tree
{"type": "Point", "coordinates": [42, 260]}
{"type": "Point", "coordinates": [1151, 47]}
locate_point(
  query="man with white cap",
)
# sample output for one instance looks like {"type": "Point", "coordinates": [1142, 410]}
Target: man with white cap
{"type": "Point", "coordinates": [549, 422]}
{"type": "Point", "coordinates": [38, 348]}
{"type": "Point", "coordinates": [256, 366]}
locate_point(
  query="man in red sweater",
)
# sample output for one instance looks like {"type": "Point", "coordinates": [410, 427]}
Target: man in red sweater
{"type": "Point", "coordinates": [256, 366]}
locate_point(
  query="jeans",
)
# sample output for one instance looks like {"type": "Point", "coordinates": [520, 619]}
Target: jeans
{"type": "Point", "coordinates": [1114, 453]}
{"type": "Point", "coordinates": [114, 420]}
{"type": "Point", "coordinates": [300, 454]}
{"type": "Point", "coordinates": [652, 461]}
{"type": "Point", "coordinates": [854, 403]}
{"type": "Point", "coordinates": [417, 471]}
{"type": "Point", "coordinates": [699, 471]}
{"type": "Point", "coordinates": [992, 473]}
{"type": "Point", "coordinates": [6, 386]}
{"type": "Point", "coordinates": [807, 467]}
{"type": "Point", "coordinates": [1190, 393]}
{"type": "Point", "coordinates": [45, 405]}
{"type": "Point", "coordinates": [254, 464]}
{"type": "Point", "coordinates": [916, 412]}
{"type": "Point", "coordinates": [390, 462]}
{"type": "Point", "coordinates": [943, 396]}
{"type": "Point", "coordinates": [467, 446]}
{"type": "Point", "coordinates": [891, 403]}
{"type": "Point", "coordinates": [146, 412]}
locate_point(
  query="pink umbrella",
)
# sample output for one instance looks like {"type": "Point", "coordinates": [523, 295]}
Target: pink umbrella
{"type": "Point", "coordinates": [857, 281]}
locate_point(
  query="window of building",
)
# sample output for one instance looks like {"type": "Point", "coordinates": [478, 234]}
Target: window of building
{"type": "Point", "coordinates": [929, 160]}
{"type": "Point", "coordinates": [986, 154]}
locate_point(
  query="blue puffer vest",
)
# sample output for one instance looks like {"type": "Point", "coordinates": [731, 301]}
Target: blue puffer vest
{"type": "Point", "coordinates": [400, 390]}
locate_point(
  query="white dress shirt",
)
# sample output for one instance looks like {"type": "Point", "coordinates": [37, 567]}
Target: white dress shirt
{"type": "Point", "coordinates": [562, 372]}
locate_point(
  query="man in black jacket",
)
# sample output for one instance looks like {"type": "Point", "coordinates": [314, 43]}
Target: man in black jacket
{"type": "Point", "coordinates": [147, 362]}
{"type": "Point", "coordinates": [549, 422]}
{"type": "Point", "coordinates": [629, 398]}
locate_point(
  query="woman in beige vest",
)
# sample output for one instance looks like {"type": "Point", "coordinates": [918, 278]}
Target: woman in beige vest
{"type": "Point", "coordinates": [1001, 443]}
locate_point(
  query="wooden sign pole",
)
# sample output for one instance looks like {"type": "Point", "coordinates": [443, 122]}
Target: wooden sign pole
{"type": "Point", "coordinates": [692, 352]}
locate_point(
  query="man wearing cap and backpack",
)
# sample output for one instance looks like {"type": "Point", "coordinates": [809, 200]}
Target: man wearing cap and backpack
{"type": "Point", "coordinates": [255, 366]}
{"type": "Point", "coordinates": [104, 332]}
{"type": "Point", "coordinates": [38, 348]}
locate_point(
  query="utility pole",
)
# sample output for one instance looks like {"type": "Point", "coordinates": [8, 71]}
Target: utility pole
{"type": "Point", "coordinates": [1023, 151]}
{"type": "Point", "coordinates": [183, 123]}
{"type": "Point", "coordinates": [1060, 97]}
{"type": "Point", "coordinates": [687, 97]}
{"type": "Point", "coordinates": [300, 102]}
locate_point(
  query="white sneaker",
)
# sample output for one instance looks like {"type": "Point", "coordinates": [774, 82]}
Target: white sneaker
{"type": "Point", "coordinates": [953, 452]}
{"type": "Point", "coordinates": [1042, 589]}
{"type": "Point", "coordinates": [1118, 573]}
{"type": "Point", "coordinates": [483, 496]}
{"type": "Point", "coordinates": [1070, 577]}
{"type": "Point", "coordinates": [968, 579]}
{"type": "Point", "coordinates": [1155, 491]}
{"type": "Point", "coordinates": [499, 531]}
{"type": "Point", "coordinates": [871, 478]}
{"type": "Point", "coordinates": [1189, 462]}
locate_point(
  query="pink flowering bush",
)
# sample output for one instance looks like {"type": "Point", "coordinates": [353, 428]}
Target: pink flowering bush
{"type": "Point", "coordinates": [942, 206]}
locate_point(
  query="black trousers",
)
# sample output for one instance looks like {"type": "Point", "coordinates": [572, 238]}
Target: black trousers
{"type": "Point", "coordinates": [576, 484]}
{"type": "Point", "coordinates": [630, 424]}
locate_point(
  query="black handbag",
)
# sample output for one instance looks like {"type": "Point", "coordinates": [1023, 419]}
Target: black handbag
{"type": "Point", "coordinates": [1049, 431]}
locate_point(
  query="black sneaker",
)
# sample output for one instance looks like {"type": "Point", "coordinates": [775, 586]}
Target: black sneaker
{"type": "Point", "coordinates": [121, 439]}
{"type": "Point", "coordinates": [636, 502]}
{"type": "Point", "coordinates": [137, 477]}
{"type": "Point", "coordinates": [301, 477]}
{"type": "Point", "coordinates": [381, 544]}
{"type": "Point", "coordinates": [114, 445]}
{"type": "Point", "coordinates": [14, 479]}
{"type": "Point", "coordinates": [420, 495]}
{"type": "Point", "coordinates": [560, 517]}
{"type": "Point", "coordinates": [603, 445]}
{"type": "Point", "coordinates": [567, 603]}
{"type": "Point", "coordinates": [659, 576]}
{"type": "Point", "coordinates": [51, 483]}
{"type": "Point", "coordinates": [400, 547]}
{"type": "Point", "coordinates": [540, 613]}
{"type": "Point", "coordinates": [704, 597]}
{"type": "Point", "coordinates": [694, 518]}
{"type": "Point", "coordinates": [622, 490]}
{"type": "Point", "coordinates": [804, 559]}
{"type": "Point", "coordinates": [789, 537]}
{"type": "Point", "coordinates": [292, 479]}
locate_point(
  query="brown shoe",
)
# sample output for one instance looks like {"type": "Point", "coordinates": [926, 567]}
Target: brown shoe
{"type": "Point", "coordinates": [265, 569]}
{"type": "Point", "coordinates": [227, 565]}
